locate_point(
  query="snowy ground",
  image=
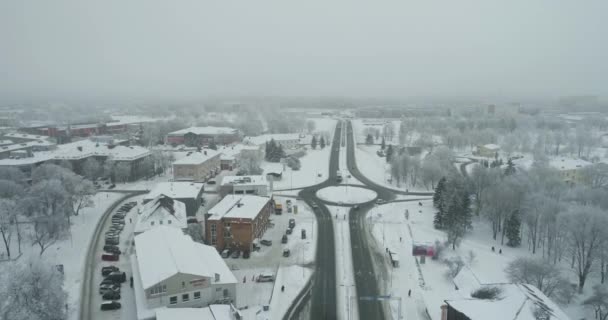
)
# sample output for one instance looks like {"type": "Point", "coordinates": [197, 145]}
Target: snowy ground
{"type": "Point", "coordinates": [346, 194]}
{"type": "Point", "coordinates": [429, 284]}
{"type": "Point", "coordinates": [314, 170]}
{"type": "Point", "coordinates": [360, 126]}
{"type": "Point", "coordinates": [293, 272]}
{"type": "Point", "coordinates": [376, 169]}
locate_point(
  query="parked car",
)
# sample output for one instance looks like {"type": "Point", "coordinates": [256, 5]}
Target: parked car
{"type": "Point", "coordinates": [246, 254]}
{"type": "Point", "coordinates": [266, 242]}
{"type": "Point", "coordinates": [225, 253]}
{"type": "Point", "coordinates": [110, 257]}
{"type": "Point", "coordinates": [111, 249]}
{"type": "Point", "coordinates": [111, 295]}
{"type": "Point", "coordinates": [236, 254]}
{"type": "Point", "coordinates": [113, 287]}
{"type": "Point", "coordinates": [106, 281]}
{"type": "Point", "coordinates": [107, 270]}
{"type": "Point", "coordinates": [112, 241]}
{"type": "Point", "coordinates": [286, 252]}
{"type": "Point", "coordinates": [303, 234]}
{"type": "Point", "coordinates": [292, 223]}
{"type": "Point", "coordinates": [265, 277]}
{"type": "Point", "coordinates": [284, 239]}
{"type": "Point", "coordinates": [112, 186]}
{"type": "Point", "coordinates": [110, 305]}
{"type": "Point", "coordinates": [117, 276]}
{"type": "Point", "coordinates": [288, 231]}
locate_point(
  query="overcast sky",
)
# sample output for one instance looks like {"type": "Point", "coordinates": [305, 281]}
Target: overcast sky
{"type": "Point", "coordinates": [124, 49]}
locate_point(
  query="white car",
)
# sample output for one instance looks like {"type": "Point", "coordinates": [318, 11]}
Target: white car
{"type": "Point", "coordinates": [265, 277]}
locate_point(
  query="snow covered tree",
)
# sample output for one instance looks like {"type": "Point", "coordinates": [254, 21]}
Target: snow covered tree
{"type": "Point", "coordinates": [8, 215]}
{"type": "Point", "coordinates": [10, 189]}
{"type": "Point", "coordinates": [12, 174]}
{"type": "Point", "coordinates": [389, 153]}
{"type": "Point", "coordinates": [122, 172]}
{"type": "Point", "coordinates": [457, 219]}
{"type": "Point", "coordinates": [213, 145]}
{"type": "Point", "coordinates": [586, 230]}
{"type": "Point", "coordinates": [249, 163]}
{"type": "Point", "coordinates": [91, 169]}
{"type": "Point", "coordinates": [33, 291]}
{"type": "Point", "coordinates": [369, 139]}
{"type": "Point", "coordinates": [313, 143]}
{"type": "Point", "coordinates": [510, 169]}
{"type": "Point", "coordinates": [599, 302]}
{"type": "Point", "coordinates": [274, 151]}
{"type": "Point", "coordinates": [513, 229]}
{"type": "Point", "coordinates": [322, 142]}
{"type": "Point", "coordinates": [545, 276]}
{"type": "Point", "coordinates": [195, 231]}
{"type": "Point", "coordinates": [439, 191]}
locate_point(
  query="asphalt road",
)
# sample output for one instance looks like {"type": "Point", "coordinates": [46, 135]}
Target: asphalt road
{"type": "Point", "coordinates": [323, 302]}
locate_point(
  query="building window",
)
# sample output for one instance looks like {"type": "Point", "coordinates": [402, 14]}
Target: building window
{"type": "Point", "coordinates": [185, 297]}
{"type": "Point", "coordinates": [197, 295]}
{"type": "Point", "coordinates": [213, 227]}
{"type": "Point", "coordinates": [161, 222]}
{"type": "Point", "coordinates": [173, 300]}
{"type": "Point", "coordinates": [183, 284]}
{"type": "Point", "coordinates": [151, 223]}
{"type": "Point", "coordinates": [168, 221]}
{"type": "Point", "coordinates": [158, 289]}
{"type": "Point", "coordinates": [218, 289]}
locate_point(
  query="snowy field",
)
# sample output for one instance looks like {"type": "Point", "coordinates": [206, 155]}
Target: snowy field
{"type": "Point", "coordinates": [315, 169]}
{"type": "Point", "coordinates": [429, 282]}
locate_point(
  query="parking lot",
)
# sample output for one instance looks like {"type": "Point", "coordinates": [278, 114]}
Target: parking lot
{"type": "Point", "coordinates": [125, 245]}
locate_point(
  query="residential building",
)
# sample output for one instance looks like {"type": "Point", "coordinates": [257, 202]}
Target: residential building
{"type": "Point", "coordinates": [172, 271]}
{"type": "Point", "coordinates": [515, 302]}
{"type": "Point", "coordinates": [570, 169]}
{"type": "Point", "coordinates": [487, 150]}
{"type": "Point", "coordinates": [161, 211]}
{"type": "Point", "coordinates": [197, 166]}
{"type": "Point", "coordinates": [189, 193]}
{"type": "Point", "coordinates": [237, 220]}
{"type": "Point", "coordinates": [257, 185]}
{"type": "Point", "coordinates": [212, 312]}
{"type": "Point", "coordinates": [203, 136]}
{"type": "Point", "coordinates": [286, 140]}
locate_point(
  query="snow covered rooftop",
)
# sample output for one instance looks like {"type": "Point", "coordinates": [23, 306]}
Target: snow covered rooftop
{"type": "Point", "coordinates": [245, 180]}
{"type": "Point", "coordinates": [568, 163]}
{"type": "Point", "coordinates": [212, 312]}
{"type": "Point", "coordinates": [87, 148]}
{"type": "Point", "coordinates": [37, 157]}
{"type": "Point", "coordinates": [262, 139]}
{"type": "Point", "coordinates": [238, 206]}
{"type": "Point", "coordinates": [28, 136]}
{"type": "Point", "coordinates": [163, 252]}
{"type": "Point", "coordinates": [516, 302]}
{"type": "Point", "coordinates": [176, 190]}
{"type": "Point", "coordinates": [5, 142]}
{"type": "Point", "coordinates": [162, 210]}
{"type": "Point", "coordinates": [492, 146]}
{"type": "Point", "coordinates": [204, 131]}
{"type": "Point", "coordinates": [196, 157]}
{"type": "Point", "coordinates": [118, 120]}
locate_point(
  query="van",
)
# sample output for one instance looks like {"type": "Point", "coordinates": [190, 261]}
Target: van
{"type": "Point", "coordinates": [265, 277]}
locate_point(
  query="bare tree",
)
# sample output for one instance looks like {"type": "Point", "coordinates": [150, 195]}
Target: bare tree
{"type": "Point", "coordinates": [33, 291]}
{"type": "Point", "coordinates": [12, 174]}
{"type": "Point", "coordinates": [596, 175]}
{"type": "Point", "coordinates": [587, 226]}
{"type": "Point", "coordinates": [599, 302]}
{"type": "Point", "coordinates": [8, 214]}
{"type": "Point", "coordinates": [10, 189]}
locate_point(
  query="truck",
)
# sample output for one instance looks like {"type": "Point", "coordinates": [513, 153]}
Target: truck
{"type": "Point", "coordinates": [278, 208]}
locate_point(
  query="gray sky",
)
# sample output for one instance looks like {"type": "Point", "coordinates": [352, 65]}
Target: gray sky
{"type": "Point", "coordinates": [64, 49]}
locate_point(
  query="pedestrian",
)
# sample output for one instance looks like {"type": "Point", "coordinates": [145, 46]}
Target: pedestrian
{"type": "Point", "coordinates": [409, 293]}
{"type": "Point", "coordinates": [130, 220]}
{"type": "Point", "coordinates": [131, 280]}
{"type": "Point", "coordinates": [244, 279]}
{"type": "Point", "coordinates": [420, 203]}
{"type": "Point", "coordinates": [500, 251]}
{"type": "Point", "coordinates": [493, 250]}
{"type": "Point", "coordinates": [399, 239]}
{"type": "Point", "coordinates": [344, 216]}
{"type": "Point", "coordinates": [282, 288]}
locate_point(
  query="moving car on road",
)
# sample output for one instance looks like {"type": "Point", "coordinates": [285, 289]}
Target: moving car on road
{"type": "Point", "coordinates": [286, 253]}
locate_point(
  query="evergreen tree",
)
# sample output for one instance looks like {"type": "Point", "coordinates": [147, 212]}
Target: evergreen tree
{"type": "Point", "coordinates": [458, 216]}
{"type": "Point", "coordinates": [439, 220]}
{"type": "Point", "coordinates": [213, 145]}
{"type": "Point", "coordinates": [389, 153]}
{"type": "Point", "coordinates": [513, 228]}
{"type": "Point", "coordinates": [313, 143]}
{"type": "Point", "coordinates": [383, 145]}
{"type": "Point", "coordinates": [438, 192]}
{"type": "Point", "coordinates": [369, 139]}
{"type": "Point", "coordinates": [510, 169]}
{"type": "Point", "coordinates": [322, 142]}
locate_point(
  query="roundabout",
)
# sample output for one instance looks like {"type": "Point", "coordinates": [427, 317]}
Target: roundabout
{"type": "Point", "coordinates": [346, 195]}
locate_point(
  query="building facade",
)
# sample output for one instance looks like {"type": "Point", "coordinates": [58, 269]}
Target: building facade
{"type": "Point", "coordinates": [237, 220]}
{"type": "Point", "coordinates": [203, 136]}
{"type": "Point", "coordinates": [256, 185]}
{"type": "Point", "coordinates": [197, 166]}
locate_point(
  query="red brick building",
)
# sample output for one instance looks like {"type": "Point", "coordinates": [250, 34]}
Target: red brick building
{"type": "Point", "coordinates": [236, 221]}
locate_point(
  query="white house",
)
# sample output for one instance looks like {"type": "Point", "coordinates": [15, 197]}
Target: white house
{"type": "Point", "coordinates": [160, 211]}
{"type": "Point", "coordinates": [256, 185]}
{"type": "Point", "coordinates": [171, 270]}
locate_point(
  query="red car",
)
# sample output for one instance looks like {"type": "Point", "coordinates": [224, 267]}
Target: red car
{"type": "Point", "coordinates": [109, 257]}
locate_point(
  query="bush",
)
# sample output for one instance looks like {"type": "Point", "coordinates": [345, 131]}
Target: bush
{"type": "Point", "coordinates": [487, 293]}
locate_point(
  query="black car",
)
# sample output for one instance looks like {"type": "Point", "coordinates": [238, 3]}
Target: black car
{"type": "Point", "coordinates": [284, 239]}
{"type": "Point", "coordinates": [117, 276]}
{"type": "Point", "coordinates": [246, 254]}
{"type": "Point", "coordinates": [107, 270]}
{"type": "Point", "coordinates": [112, 241]}
{"type": "Point", "coordinates": [266, 242]}
{"type": "Point", "coordinates": [289, 231]}
{"type": "Point", "coordinates": [104, 288]}
{"type": "Point", "coordinates": [110, 305]}
{"type": "Point", "coordinates": [112, 249]}
{"type": "Point", "coordinates": [111, 295]}
{"type": "Point", "coordinates": [292, 223]}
